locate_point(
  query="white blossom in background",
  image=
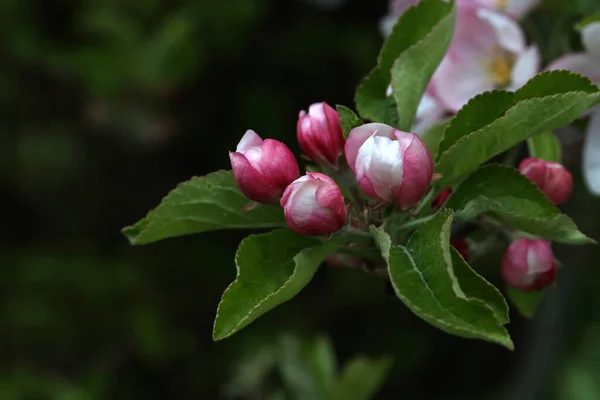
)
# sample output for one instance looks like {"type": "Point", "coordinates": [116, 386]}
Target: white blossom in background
{"type": "Point", "coordinates": [488, 51]}
{"type": "Point", "coordinates": [587, 63]}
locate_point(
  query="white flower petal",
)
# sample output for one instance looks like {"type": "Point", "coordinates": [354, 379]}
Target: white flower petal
{"type": "Point", "coordinates": [509, 33]}
{"type": "Point", "coordinates": [429, 112]}
{"type": "Point", "coordinates": [590, 36]}
{"type": "Point", "coordinates": [591, 155]}
{"type": "Point", "coordinates": [525, 67]}
{"type": "Point", "coordinates": [380, 161]}
{"type": "Point", "coordinates": [250, 139]}
{"type": "Point", "coordinates": [386, 24]}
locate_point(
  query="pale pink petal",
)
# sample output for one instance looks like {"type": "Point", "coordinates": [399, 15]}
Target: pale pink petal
{"type": "Point", "coordinates": [429, 112]}
{"type": "Point", "coordinates": [474, 38]}
{"type": "Point", "coordinates": [508, 32]}
{"type": "Point", "coordinates": [250, 139]}
{"type": "Point", "coordinates": [591, 155]}
{"type": "Point", "coordinates": [458, 82]}
{"type": "Point", "coordinates": [525, 67]}
{"type": "Point", "coordinates": [580, 63]}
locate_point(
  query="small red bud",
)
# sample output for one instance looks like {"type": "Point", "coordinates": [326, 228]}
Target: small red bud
{"type": "Point", "coordinates": [263, 168]}
{"type": "Point", "coordinates": [551, 178]}
{"type": "Point", "coordinates": [461, 245]}
{"type": "Point", "coordinates": [529, 265]}
{"type": "Point", "coordinates": [320, 133]}
{"type": "Point", "coordinates": [441, 198]}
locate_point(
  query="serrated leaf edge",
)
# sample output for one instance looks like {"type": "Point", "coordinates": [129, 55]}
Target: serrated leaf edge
{"type": "Point", "coordinates": [534, 187]}
{"type": "Point", "coordinates": [438, 26]}
{"type": "Point", "coordinates": [479, 131]}
{"type": "Point", "coordinates": [372, 73]}
{"type": "Point", "coordinates": [236, 328]}
{"type": "Point", "coordinates": [508, 344]}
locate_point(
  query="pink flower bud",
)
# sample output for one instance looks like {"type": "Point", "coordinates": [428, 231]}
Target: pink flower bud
{"type": "Point", "coordinates": [461, 245]}
{"type": "Point", "coordinates": [314, 205]}
{"type": "Point", "coordinates": [390, 165]}
{"type": "Point", "coordinates": [551, 178]}
{"type": "Point", "coordinates": [441, 198]}
{"type": "Point", "coordinates": [320, 133]}
{"type": "Point", "coordinates": [263, 168]}
{"type": "Point", "coordinates": [529, 265]}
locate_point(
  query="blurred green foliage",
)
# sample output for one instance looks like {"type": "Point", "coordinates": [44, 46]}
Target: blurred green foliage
{"type": "Point", "coordinates": [107, 105]}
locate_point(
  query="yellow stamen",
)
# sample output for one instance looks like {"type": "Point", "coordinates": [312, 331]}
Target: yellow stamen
{"type": "Point", "coordinates": [500, 69]}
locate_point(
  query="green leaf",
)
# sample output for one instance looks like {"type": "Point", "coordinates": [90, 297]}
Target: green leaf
{"type": "Point", "coordinates": [478, 288]}
{"type": "Point", "coordinates": [361, 378]}
{"type": "Point", "coordinates": [414, 25]}
{"type": "Point", "coordinates": [508, 196]}
{"type": "Point", "coordinates": [295, 372]}
{"type": "Point", "coordinates": [433, 135]}
{"type": "Point", "coordinates": [590, 19]}
{"type": "Point", "coordinates": [437, 284]}
{"type": "Point", "coordinates": [272, 268]}
{"type": "Point", "coordinates": [322, 361]}
{"type": "Point", "coordinates": [413, 69]}
{"type": "Point", "coordinates": [493, 122]}
{"type": "Point", "coordinates": [546, 146]}
{"type": "Point", "coordinates": [525, 302]}
{"type": "Point", "coordinates": [348, 119]}
{"type": "Point", "coordinates": [202, 204]}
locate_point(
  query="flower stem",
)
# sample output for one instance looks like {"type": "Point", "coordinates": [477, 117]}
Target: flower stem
{"type": "Point", "coordinates": [415, 223]}
{"type": "Point", "coordinates": [425, 204]}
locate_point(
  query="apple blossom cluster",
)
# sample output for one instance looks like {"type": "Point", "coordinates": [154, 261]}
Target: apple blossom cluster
{"type": "Point", "coordinates": [391, 168]}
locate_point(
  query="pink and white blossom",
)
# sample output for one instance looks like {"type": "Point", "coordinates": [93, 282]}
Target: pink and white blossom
{"type": "Point", "coordinates": [314, 205]}
{"type": "Point", "coordinates": [263, 169]}
{"type": "Point", "coordinates": [320, 134]}
{"type": "Point", "coordinates": [488, 51]}
{"type": "Point", "coordinates": [390, 165]}
{"type": "Point", "coordinates": [529, 265]}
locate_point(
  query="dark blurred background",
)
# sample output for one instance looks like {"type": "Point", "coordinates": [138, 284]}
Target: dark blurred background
{"type": "Point", "coordinates": [108, 104]}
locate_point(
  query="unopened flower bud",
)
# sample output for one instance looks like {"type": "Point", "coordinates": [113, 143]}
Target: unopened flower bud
{"type": "Point", "coordinates": [314, 205]}
{"type": "Point", "coordinates": [441, 198]}
{"type": "Point", "coordinates": [390, 165]}
{"type": "Point", "coordinates": [320, 134]}
{"type": "Point", "coordinates": [263, 168]}
{"type": "Point", "coordinates": [529, 265]}
{"type": "Point", "coordinates": [461, 245]}
{"type": "Point", "coordinates": [554, 180]}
